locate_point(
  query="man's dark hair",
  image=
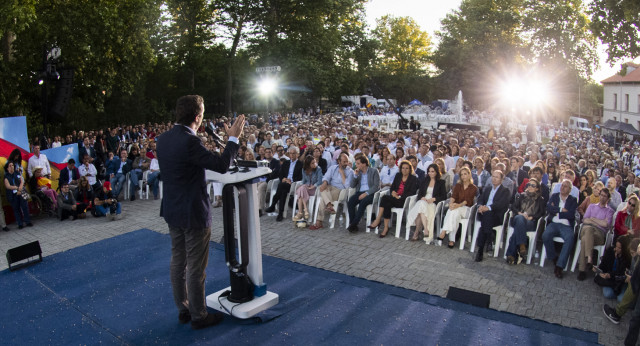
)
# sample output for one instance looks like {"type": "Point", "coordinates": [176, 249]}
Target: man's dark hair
{"type": "Point", "coordinates": [187, 108]}
{"type": "Point", "coordinates": [536, 169]}
{"type": "Point", "coordinates": [468, 164]}
{"type": "Point", "coordinates": [71, 161]}
{"type": "Point", "coordinates": [363, 159]}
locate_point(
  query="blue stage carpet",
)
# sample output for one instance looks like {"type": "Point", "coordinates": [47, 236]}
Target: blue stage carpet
{"type": "Point", "coordinates": [117, 291]}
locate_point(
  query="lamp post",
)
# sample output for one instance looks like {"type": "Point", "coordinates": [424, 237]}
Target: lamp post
{"type": "Point", "coordinates": [48, 73]}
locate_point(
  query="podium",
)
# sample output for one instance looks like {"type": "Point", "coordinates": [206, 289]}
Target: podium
{"type": "Point", "coordinates": [247, 295]}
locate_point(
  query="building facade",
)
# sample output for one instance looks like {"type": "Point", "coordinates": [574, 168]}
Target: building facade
{"type": "Point", "coordinates": [621, 100]}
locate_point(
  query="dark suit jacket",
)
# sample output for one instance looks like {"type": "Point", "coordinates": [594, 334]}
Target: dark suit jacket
{"type": "Point", "coordinates": [439, 189]}
{"type": "Point", "coordinates": [410, 186]}
{"type": "Point", "coordinates": [64, 175]}
{"type": "Point", "coordinates": [571, 205]}
{"type": "Point", "coordinates": [521, 176]}
{"type": "Point", "coordinates": [183, 160]}
{"type": "Point", "coordinates": [114, 166]}
{"type": "Point", "coordinates": [86, 151]}
{"type": "Point", "coordinates": [274, 164]}
{"type": "Point", "coordinates": [500, 200]}
{"type": "Point", "coordinates": [297, 170]}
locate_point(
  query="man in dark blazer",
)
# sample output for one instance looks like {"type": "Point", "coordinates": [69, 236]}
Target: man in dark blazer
{"type": "Point", "coordinates": [362, 198]}
{"type": "Point", "coordinates": [186, 207]}
{"type": "Point", "coordinates": [561, 211]}
{"type": "Point", "coordinates": [290, 172]}
{"type": "Point", "coordinates": [70, 174]}
{"type": "Point", "coordinates": [517, 174]}
{"type": "Point", "coordinates": [117, 171]}
{"type": "Point", "coordinates": [493, 204]}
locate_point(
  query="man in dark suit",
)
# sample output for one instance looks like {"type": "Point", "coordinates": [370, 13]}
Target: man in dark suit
{"type": "Point", "coordinates": [517, 174]}
{"type": "Point", "coordinates": [290, 171]}
{"type": "Point", "coordinates": [70, 174]}
{"type": "Point", "coordinates": [186, 207]}
{"type": "Point", "coordinates": [561, 211]}
{"type": "Point", "coordinates": [117, 171]}
{"type": "Point", "coordinates": [493, 204]}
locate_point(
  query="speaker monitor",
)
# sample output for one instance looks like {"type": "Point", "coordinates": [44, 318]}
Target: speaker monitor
{"type": "Point", "coordinates": [24, 252]}
{"type": "Point", "coordinates": [468, 297]}
{"type": "Point", "coordinates": [64, 89]}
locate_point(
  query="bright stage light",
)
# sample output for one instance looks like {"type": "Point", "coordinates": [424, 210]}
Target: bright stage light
{"type": "Point", "coordinates": [525, 94]}
{"type": "Point", "coordinates": [267, 86]}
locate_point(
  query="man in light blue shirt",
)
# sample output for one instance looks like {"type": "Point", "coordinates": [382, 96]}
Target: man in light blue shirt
{"type": "Point", "coordinates": [336, 179]}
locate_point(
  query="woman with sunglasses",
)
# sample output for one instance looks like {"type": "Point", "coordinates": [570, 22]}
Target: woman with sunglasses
{"type": "Point", "coordinates": [628, 220]}
{"type": "Point", "coordinates": [527, 208]}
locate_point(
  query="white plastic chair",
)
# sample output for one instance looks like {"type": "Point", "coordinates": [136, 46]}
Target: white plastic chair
{"type": "Point", "coordinates": [465, 224]}
{"type": "Point", "coordinates": [292, 191]}
{"type": "Point", "coordinates": [295, 187]}
{"type": "Point", "coordinates": [342, 200]}
{"type": "Point", "coordinates": [375, 206]}
{"type": "Point", "coordinates": [400, 212]}
{"type": "Point", "coordinates": [543, 255]}
{"type": "Point", "coordinates": [533, 236]}
{"type": "Point", "coordinates": [499, 230]}
{"type": "Point", "coordinates": [272, 186]}
{"type": "Point", "coordinates": [599, 248]}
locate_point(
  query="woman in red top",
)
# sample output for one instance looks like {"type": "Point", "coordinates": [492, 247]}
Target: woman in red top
{"type": "Point", "coordinates": [404, 184]}
{"type": "Point", "coordinates": [628, 220]}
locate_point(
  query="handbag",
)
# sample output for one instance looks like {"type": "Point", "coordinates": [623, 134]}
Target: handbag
{"type": "Point", "coordinates": [24, 194]}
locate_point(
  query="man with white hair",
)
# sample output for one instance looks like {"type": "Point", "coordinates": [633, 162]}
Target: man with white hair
{"type": "Point", "coordinates": [561, 210]}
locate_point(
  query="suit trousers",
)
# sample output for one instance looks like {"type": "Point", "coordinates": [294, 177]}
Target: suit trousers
{"type": "Point", "coordinates": [280, 196]}
{"type": "Point", "coordinates": [189, 259]}
{"type": "Point", "coordinates": [488, 220]}
{"type": "Point", "coordinates": [355, 216]}
{"type": "Point", "coordinates": [589, 236]}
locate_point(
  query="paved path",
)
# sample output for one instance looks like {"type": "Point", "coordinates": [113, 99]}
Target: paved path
{"type": "Point", "coordinates": [526, 290]}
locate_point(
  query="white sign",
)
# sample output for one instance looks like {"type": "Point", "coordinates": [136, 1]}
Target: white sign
{"type": "Point", "coordinates": [268, 69]}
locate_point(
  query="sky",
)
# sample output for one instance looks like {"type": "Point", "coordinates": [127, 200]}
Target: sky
{"type": "Point", "coordinates": [428, 13]}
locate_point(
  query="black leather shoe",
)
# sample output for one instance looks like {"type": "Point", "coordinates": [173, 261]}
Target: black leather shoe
{"type": "Point", "coordinates": [20, 227]}
{"type": "Point", "coordinates": [5, 228]}
{"type": "Point", "coordinates": [210, 320]}
{"type": "Point", "coordinates": [270, 210]}
{"type": "Point", "coordinates": [558, 272]}
{"type": "Point", "coordinates": [479, 255]}
{"type": "Point", "coordinates": [279, 218]}
{"type": "Point", "coordinates": [29, 224]}
{"type": "Point", "coordinates": [353, 228]}
{"type": "Point", "coordinates": [184, 317]}
{"type": "Point", "coordinates": [133, 197]}
{"type": "Point", "coordinates": [582, 276]}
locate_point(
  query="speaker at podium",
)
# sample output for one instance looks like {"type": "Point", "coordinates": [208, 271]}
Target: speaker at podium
{"type": "Point", "coordinates": [247, 294]}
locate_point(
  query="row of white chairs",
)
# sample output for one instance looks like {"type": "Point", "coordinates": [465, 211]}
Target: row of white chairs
{"type": "Point", "coordinates": [470, 226]}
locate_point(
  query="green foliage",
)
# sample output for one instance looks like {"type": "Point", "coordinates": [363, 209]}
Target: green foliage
{"type": "Point", "coordinates": [617, 24]}
{"type": "Point", "coordinates": [477, 43]}
{"type": "Point", "coordinates": [559, 35]}
{"type": "Point", "coordinates": [404, 48]}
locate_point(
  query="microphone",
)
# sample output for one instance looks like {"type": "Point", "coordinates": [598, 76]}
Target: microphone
{"type": "Point", "coordinates": [215, 136]}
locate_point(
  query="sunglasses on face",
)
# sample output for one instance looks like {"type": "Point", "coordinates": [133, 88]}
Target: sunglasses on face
{"type": "Point", "coordinates": [632, 205]}
{"type": "Point", "coordinates": [532, 185]}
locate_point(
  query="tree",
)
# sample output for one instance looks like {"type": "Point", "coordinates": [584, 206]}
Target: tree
{"type": "Point", "coordinates": [404, 48]}
{"type": "Point", "coordinates": [617, 24]}
{"type": "Point", "coordinates": [107, 45]}
{"type": "Point", "coordinates": [558, 35]}
{"type": "Point", "coordinates": [478, 43]}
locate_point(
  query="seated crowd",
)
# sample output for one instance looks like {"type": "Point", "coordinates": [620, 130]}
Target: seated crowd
{"type": "Point", "coordinates": [572, 191]}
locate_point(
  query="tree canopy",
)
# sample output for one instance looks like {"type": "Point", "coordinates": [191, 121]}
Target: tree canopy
{"type": "Point", "coordinates": [133, 58]}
